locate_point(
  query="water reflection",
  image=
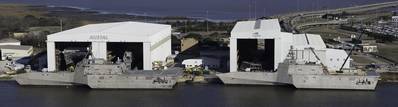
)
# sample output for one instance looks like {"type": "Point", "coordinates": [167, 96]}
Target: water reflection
{"type": "Point", "coordinates": [195, 96]}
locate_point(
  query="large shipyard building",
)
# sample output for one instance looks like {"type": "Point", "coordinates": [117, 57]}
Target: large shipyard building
{"type": "Point", "coordinates": [258, 43]}
{"type": "Point", "coordinates": [145, 42]}
{"type": "Point", "coordinates": [261, 45]}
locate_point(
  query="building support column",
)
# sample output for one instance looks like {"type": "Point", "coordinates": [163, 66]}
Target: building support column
{"type": "Point", "coordinates": [51, 63]}
{"type": "Point", "coordinates": [233, 67]}
{"type": "Point", "coordinates": [279, 55]}
{"type": "Point", "coordinates": [99, 50]}
{"type": "Point", "coordinates": [147, 55]}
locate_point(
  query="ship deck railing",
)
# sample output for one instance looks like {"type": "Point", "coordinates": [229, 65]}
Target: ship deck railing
{"type": "Point", "coordinates": [168, 72]}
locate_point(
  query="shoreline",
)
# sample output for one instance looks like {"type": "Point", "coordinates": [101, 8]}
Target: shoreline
{"type": "Point", "coordinates": [162, 17]}
{"type": "Point", "coordinates": [104, 12]}
{"type": "Point", "coordinates": [7, 79]}
{"type": "Point", "coordinates": [287, 14]}
{"type": "Point", "coordinates": [358, 8]}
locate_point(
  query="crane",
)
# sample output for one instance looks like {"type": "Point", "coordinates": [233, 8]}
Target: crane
{"type": "Point", "coordinates": [349, 54]}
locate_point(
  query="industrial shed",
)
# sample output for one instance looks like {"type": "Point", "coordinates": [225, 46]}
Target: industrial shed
{"type": "Point", "coordinates": [9, 41]}
{"type": "Point", "coordinates": [148, 42]}
{"type": "Point", "coordinates": [260, 42]}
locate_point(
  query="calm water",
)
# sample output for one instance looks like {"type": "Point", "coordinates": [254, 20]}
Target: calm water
{"type": "Point", "coordinates": [12, 95]}
{"type": "Point", "coordinates": [217, 9]}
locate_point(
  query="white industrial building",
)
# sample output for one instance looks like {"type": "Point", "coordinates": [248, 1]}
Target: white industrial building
{"type": "Point", "coordinates": [9, 41]}
{"type": "Point", "coordinates": [206, 62]}
{"type": "Point", "coordinates": [264, 43]}
{"type": "Point", "coordinates": [190, 63]}
{"type": "Point", "coordinates": [15, 51]}
{"type": "Point", "coordinates": [394, 19]}
{"type": "Point", "coordinates": [11, 49]}
{"type": "Point", "coordinates": [151, 41]}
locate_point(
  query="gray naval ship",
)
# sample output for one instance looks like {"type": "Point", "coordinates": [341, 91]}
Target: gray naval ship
{"type": "Point", "coordinates": [99, 74]}
{"type": "Point", "coordinates": [304, 61]}
{"type": "Point", "coordinates": [306, 76]}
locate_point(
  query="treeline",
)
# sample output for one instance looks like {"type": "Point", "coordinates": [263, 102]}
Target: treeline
{"type": "Point", "coordinates": [188, 26]}
{"type": "Point", "coordinates": [38, 41]}
{"type": "Point", "coordinates": [12, 24]}
{"type": "Point", "coordinates": [16, 24]}
{"type": "Point", "coordinates": [213, 39]}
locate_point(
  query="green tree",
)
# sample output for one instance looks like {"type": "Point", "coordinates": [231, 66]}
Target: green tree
{"type": "Point", "coordinates": [30, 21]}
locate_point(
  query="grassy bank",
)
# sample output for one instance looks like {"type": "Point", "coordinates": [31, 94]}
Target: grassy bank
{"type": "Point", "coordinates": [389, 77]}
{"type": "Point", "coordinates": [389, 50]}
{"type": "Point", "coordinates": [5, 78]}
{"type": "Point", "coordinates": [20, 10]}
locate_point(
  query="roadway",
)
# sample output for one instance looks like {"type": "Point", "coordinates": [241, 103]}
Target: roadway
{"type": "Point", "coordinates": [355, 9]}
{"type": "Point", "coordinates": [290, 18]}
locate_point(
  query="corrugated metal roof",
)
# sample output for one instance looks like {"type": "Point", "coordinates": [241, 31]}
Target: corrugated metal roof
{"type": "Point", "coordinates": [136, 30]}
{"type": "Point", "coordinates": [308, 40]}
{"type": "Point", "coordinates": [258, 27]}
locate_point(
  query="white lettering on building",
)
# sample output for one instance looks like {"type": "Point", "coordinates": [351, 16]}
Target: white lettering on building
{"type": "Point", "coordinates": [99, 37]}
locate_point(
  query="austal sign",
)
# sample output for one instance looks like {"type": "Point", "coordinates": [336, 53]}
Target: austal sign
{"type": "Point", "coordinates": [98, 37]}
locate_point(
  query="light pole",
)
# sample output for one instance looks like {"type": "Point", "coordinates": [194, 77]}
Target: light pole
{"type": "Point", "coordinates": [255, 10]}
{"type": "Point", "coordinates": [207, 21]}
{"type": "Point", "coordinates": [60, 24]}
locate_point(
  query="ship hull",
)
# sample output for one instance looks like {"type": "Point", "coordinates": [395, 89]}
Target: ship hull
{"type": "Point", "coordinates": [239, 81]}
{"type": "Point", "coordinates": [33, 82]}
{"type": "Point", "coordinates": [129, 82]}
{"type": "Point", "coordinates": [345, 82]}
{"type": "Point", "coordinates": [48, 79]}
{"type": "Point", "coordinates": [95, 81]}
{"type": "Point", "coordinates": [251, 78]}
